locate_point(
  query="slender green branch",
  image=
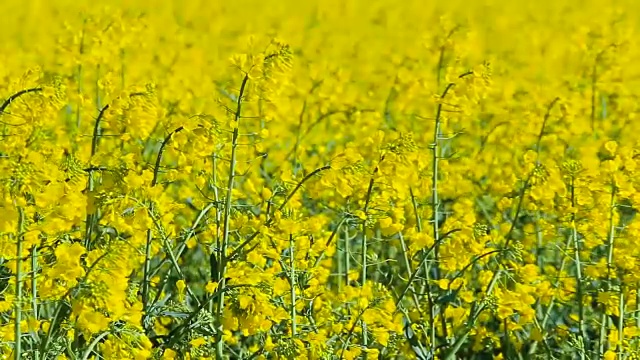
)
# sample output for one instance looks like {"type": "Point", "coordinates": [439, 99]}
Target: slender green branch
{"type": "Point", "coordinates": [579, 281]}
{"type": "Point", "coordinates": [93, 344]}
{"type": "Point", "coordinates": [222, 251]}
{"type": "Point", "coordinates": [351, 331]}
{"type": "Point", "coordinates": [364, 243]}
{"type": "Point", "coordinates": [292, 280]}
{"type": "Point", "coordinates": [18, 295]}
{"type": "Point", "coordinates": [269, 219]}
{"type": "Point", "coordinates": [146, 281]}
{"type": "Point", "coordinates": [34, 298]}
{"type": "Point", "coordinates": [13, 97]}
{"type": "Point", "coordinates": [425, 257]}
{"type": "Point", "coordinates": [435, 201]}
{"type": "Point", "coordinates": [416, 301]}
{"type": "Point", "coordinates": [621, 325]}
{"type": "Point", "coordinates": [328, 243]}
{"type": "Point", "coordinates": [91, 217]}
{"type": "Point", "coordinates": [547, 314]}
{"type": "Point", "coordinates": [607, 284]}
{"type": "Point", "coordinates": [96, 130]}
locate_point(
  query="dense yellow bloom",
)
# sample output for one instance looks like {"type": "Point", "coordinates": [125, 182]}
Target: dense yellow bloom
{"type": "Point", "coordinates": [320, 179]}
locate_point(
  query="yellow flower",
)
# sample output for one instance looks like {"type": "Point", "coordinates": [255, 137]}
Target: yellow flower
{"type": "Point", "coordinates": [610, 355]}
{"type": "Point", "coordinates": [197, 342]}
{"type": "Point", "coordinates": [211, 287]}
{"type": "Point", "coordinates": [169, 354]}
{"type": "Point", "coordinates": [181, 285]}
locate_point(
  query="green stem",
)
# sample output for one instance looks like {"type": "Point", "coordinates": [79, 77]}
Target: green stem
{"type": "Point", "coordinates": [420, 265]}
{"type": "Point", "coordinates": [328, 243]}
{"type": "Point", "coordinates": [18, 300]}
{"type": "Point", "coordinates": [216, 198]}
{"type": "Point", "coordinates": [91, 217]}
{"type": "Point", "coordinates": [222, 254]}
{"type": "Point", "coordinates": [547, 314]}
{"type": "Point", "coordinates": [347, 256]}
{"type": "Point", "coordinates": [13, 97]}
{"type": "Point", "coordinates": [579, 282]}
{"type": "Point", "coordinates": [475, 313]}
{"type": "Point", "coordinates": [34, 288]}
{"type": "Point", "coordinates": [146, 280]}
{"type": "Point", "coordinates": [292, 279]}
{"type": "Point", "coordinates": [269, 219]}
{"type": "Point", "coordinates": [637, 306]}
{"type": "Point", "coordinates": [93, 344]}
{"type": "Point", "coordinates": [416, 302]}
{"type": "Point", "coordinates": [607, 285]}
{"type": "Point", "coordinates": [34, 297]}
{"type": "Point", "coordinates": [365, 339]}
{"type": "Point", "coordinates": [351, 331]}
{"type": "Point", "coordinates": [621, 325]}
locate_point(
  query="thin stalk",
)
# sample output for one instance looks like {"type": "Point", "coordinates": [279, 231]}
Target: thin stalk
{"type": "Point", "coordinates": [621, 325]}
{"type": "Point", "coordinates": [222, 252]}
{"type": "Point", "coordinates": [292, 279]}
{"type": "Point", "coordinates": [425, 288]}
{"type": "Point", "coordinates": [93, 344]}
{"type": "Point", "coordinates": [425, 257]}
{"type": "Point", "coordinates": [216, 198]}
{"type": "Point", "coordinates": [146, 271]}
{"type": "Point", "coordinates": [475, 313]}
{"type": "Point", "coordinates": [34, 283]}
{"type": "Point", "coordinates": [507, 343]}
{"type": "Point", "coordinates": [146, 281]}
{"type": "Point", "coordinates": [414, 204]}
{"type": "Point", "coordinates": [347, 256]}
{"type": "Point", "coordinates": [34, 297]}
{"type": "Point", "coordinates": [364, 246]}
{"type": "Point", "coordinates": [351, 331]}
{"type": "Point", "coordinates": [328, 243]}
{"type": "Point", "coordinates": [547, 314]}
{"type": "Point", "coordinates": [17, 351]}
{"type": "Point", "coordinates": [340, 255]}
{"type": "Point", "coordinates": [441, 56]}
{"type": "Point", "coordinates": [435, 201]}
{"type": "Point", "coordinates": [539, 258]}
{"type": "Point", "coordinates": [607, 284]}
{"type": "Point", "coordinates": [579, 283]}
{"type": "Point", "coordinates": [13, 97]}
{"type": "Point", "coordinates": [176, 334]}
{"type": "Point", "coordinates": [637, 307]}
{"type": "Point", "coordinates": [519, 206]}
{"type": "Point", "coordinates": [416, 302]}
{"type": "Point", "coordinates": [91, 217]}
{"type": "Point", "coordinates": [269, 219]}
{"type": "Point", "coordinates": [96, 130]}
{"type": "Point", "coordinates": [172, 257]}
{"type": "Point", "coordinates": [191, 233]}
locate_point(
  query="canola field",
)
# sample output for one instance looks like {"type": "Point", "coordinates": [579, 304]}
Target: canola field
{"type": "Point", "coordinates": [322, 179]}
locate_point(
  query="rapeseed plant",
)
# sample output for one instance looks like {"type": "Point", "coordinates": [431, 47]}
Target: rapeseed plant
{"type": "Point", "coordinates": [319, 180]}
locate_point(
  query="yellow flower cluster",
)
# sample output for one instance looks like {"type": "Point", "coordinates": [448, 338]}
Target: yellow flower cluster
{"type": "Point", "coordinates": [319, 180]}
